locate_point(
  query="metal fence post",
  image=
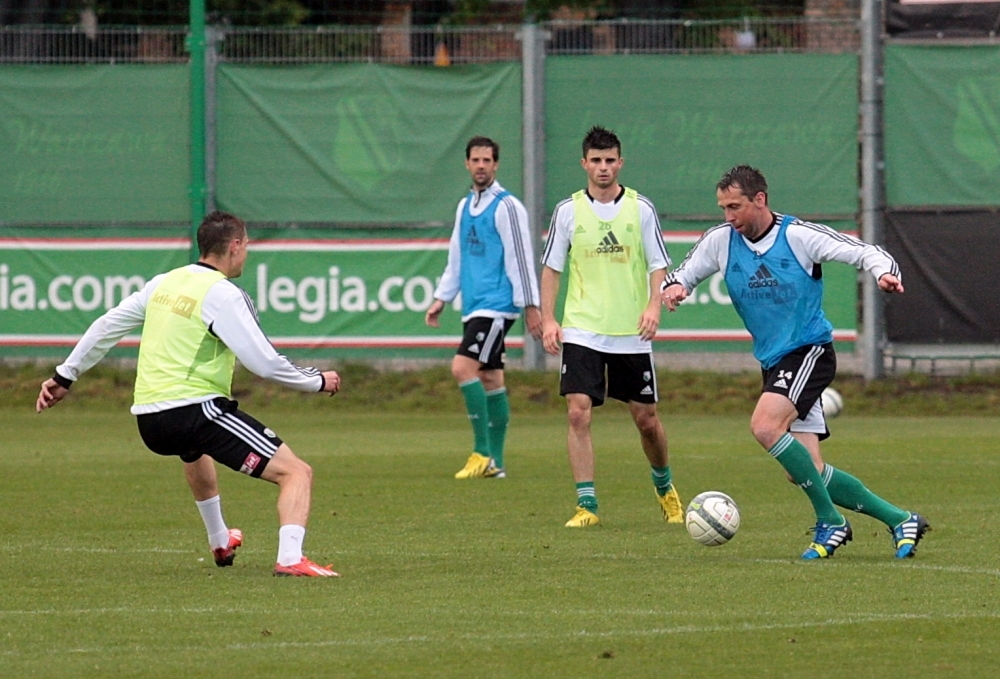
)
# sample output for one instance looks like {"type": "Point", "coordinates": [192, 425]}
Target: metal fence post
{"type": "Point", "coordinates": [533, 139]}
{"type": "Point", "coordinates": [196, 188]}
{"type": "Point", "coordinates": [872, 184]}
{"type": "Point", "coordinates": [212, 38]}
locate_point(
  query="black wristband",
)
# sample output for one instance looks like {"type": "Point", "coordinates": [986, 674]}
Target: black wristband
{"type": "Point", "coordinates": [62, 381]}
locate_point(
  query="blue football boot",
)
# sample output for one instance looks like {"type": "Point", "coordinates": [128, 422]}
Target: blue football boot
{"type": "Point", "coordinates": [827, 539]}
{"type": "Point", "coordinates": [907, 535]}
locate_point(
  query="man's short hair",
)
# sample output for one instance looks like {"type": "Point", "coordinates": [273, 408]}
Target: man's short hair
{"type": "Point", "coordinates": [483, 141]}
{"type": "Point", "coordinates": [601, 139]}
{"type": "Point", "coordinates": [748, 179]}
{"type": "Point", "coordinates": [217, 231]}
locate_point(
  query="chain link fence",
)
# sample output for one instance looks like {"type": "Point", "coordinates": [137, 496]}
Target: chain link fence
{"type": "Point", "coordinates": [439, 45]}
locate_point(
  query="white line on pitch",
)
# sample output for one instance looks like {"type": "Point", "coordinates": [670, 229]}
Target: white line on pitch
{"type": "Point", "coordinates": [863, 618]}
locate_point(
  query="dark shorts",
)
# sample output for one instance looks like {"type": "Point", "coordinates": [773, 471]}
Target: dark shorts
{"type": "Point", "coordinates": [630, 377]}
{"type": "Point", "coordinates": [217, 428]}
{"type": "Point", "coordinates": [483, 341]}
{"type": "Point", "coordinates": [802, 375]}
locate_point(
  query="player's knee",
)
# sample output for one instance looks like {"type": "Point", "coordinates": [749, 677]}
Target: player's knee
{"type": "Point", "coordinates": [302, 470]}
{"type": "Point", "coordinates": [647, 423]}
{"type": "Point", "coordinates": [650, 429]}
{"type": "Point", "coordinates": [765, 431]}
{"type": "Point", "coordinates": [491, 379]}
{"type": "Point", "coordinates": [579, 416]}
{"type": "Point", "coordinates": [463, 369]}
{"type": "Point", "coordinates": [286, 466]}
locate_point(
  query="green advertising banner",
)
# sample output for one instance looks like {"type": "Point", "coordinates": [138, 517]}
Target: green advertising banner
{"type": "Point", "coordinates": [93, 143]}
{"type": "Point", "coordinates": [942, 125]}
{"type": "Point", "coordinates": [359, 142]}
{"type": "Point", "coordinates": [325, 297]}
{"type": "Point", "coordinates": [684, 120]}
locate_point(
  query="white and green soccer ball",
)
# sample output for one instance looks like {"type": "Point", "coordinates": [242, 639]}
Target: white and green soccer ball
{"type": "Point", "coordinates": [712, 518]}
{"type": "Point", "coordinates": [833, 402]}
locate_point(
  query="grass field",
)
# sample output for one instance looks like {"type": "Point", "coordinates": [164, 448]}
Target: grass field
{"type": "Point", "coordinates": [107, 572]}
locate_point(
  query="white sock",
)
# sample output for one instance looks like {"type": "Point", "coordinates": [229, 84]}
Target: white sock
{"type": "Point", "coordinates": [290, 540]}
{"type": "Point", "coordinates": [211, 514]}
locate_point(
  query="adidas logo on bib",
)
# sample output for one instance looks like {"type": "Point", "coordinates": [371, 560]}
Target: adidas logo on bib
{"type": "Point", "coordinates": [610, 244]}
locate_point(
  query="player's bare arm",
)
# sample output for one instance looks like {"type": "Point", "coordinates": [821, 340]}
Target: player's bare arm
{"type": "Point", "coordinates": [890, 283]}
{"type": "Point", "coordinates": [433, 315]}
{"type": "Point", "coordinates": [672, 295]}
{"type": "Point", "coordinates": [649, 322]}
{"type": "Point", "coordinates": [533, 321]}
{"type": "Point", "coordinates": [551, 330]}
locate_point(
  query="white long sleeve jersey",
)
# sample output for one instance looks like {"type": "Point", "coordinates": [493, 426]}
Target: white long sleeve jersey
{"type": "Point", "coordinates": [226, 311]}
{"type": "Point", "coordinates": [557, 249]}
{"type": "Point", "coordinates": [812, 244]}
{"type": "Point", "coordinates": [518, 260]}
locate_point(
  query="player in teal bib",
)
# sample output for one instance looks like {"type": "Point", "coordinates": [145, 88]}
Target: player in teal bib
{"type": "Point", "coordinates": [772, 265]}
{"type": "Point", "coordinates": [780, 303]}
{"type": "Point", "coordinates": [490, 264]}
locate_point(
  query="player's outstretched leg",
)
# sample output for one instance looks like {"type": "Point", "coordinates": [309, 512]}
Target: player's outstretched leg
{"type": "Point", "coordinates": [294, 480]}
{"type": "Point", "coordinates": [845, 490]}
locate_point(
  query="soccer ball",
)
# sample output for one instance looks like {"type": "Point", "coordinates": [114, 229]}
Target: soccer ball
{"type": "Point", "coordinates": [712, 518]}
{"type": "Point", "coordinates": [833, 402]}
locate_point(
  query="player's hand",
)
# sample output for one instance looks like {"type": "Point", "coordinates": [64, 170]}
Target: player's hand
{"type": "Point", "coordinates": [331, 382]}
{"type": "Point", "coordinates": [551, 336]}
{"type": "Point", "coordinates": [50, 394]}
{"type": "Point", "coordinates": [649, 322]}
{"type": "Point", "coordinates": [433, 315]}
{"type": "Point", "coordinates": [673, 295]}
{"type": "Point", "coordinates": [533, 321]}
{"type": "Point", "coordinates": [890, 283]}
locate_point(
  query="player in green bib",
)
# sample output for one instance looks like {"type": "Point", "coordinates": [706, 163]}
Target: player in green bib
{"type": "Point", "coordinates": [609, 238]}
{"type": "Point", "coordinates": [195, 323]}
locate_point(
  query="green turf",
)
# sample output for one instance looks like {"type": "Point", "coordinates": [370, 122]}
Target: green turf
{"type": "Point", "coordinates": [366, 388]}
{"type": "Point", "coordinates": [107, 573]}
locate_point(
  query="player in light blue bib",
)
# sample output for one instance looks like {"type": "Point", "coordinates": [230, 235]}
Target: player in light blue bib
{"type": "Point", "coordinates": [772, 265]}
{"type": "Point", "coordinates": [490, 263]}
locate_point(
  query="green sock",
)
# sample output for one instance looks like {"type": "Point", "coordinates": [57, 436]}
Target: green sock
{"type": "Point", "coordinates": [796, 460]}
{"type": "Point", "coordinates": [662, 480]}
{"type": "Point", "coordinates": [498, 407]}
{"type": "Point", "coordinates": [848, 492]}
{"type": "Point", "coordinates": [475, 404]}
{"type": "Point", "coordinates": [586, 496]}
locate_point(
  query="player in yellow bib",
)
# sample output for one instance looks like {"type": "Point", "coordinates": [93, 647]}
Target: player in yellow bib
{"type": "Point", "coordinates": [609, 238]}
{"type": "Point", "coordinates": [195, 323]}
